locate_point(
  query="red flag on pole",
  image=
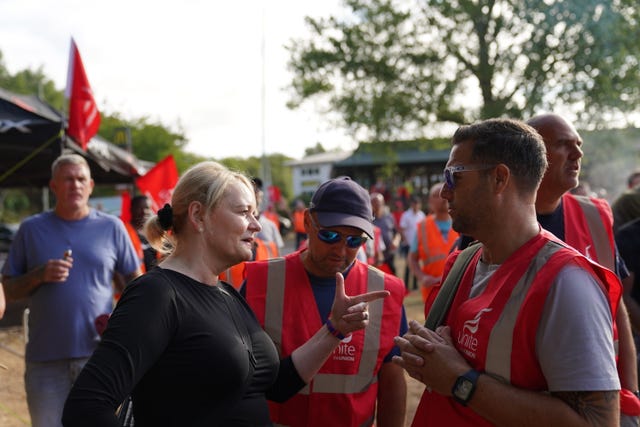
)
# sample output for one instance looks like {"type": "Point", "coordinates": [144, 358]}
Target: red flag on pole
{"type": "Point", "coordinates": [125, 206]}
{"type": "Point", "coordinates": [159, 182]}
{"type": "Point", "coordinates": [84, 117]}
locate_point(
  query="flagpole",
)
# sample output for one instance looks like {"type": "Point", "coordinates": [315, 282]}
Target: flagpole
{"type": "Point", "coordinates": [266, 171]}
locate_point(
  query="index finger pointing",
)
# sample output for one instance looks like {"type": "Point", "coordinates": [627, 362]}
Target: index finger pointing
{"type": "Point", "coordinates": [370, 296]}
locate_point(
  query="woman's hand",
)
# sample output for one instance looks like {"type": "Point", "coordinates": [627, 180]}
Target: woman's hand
{"type": "Point", "coordinates": [350, 314]}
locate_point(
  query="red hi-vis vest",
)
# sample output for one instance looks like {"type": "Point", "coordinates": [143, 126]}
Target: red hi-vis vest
{"type": "Point", "coordinates": [503, 340]}
{"type": "Point", "coordinates": [588, 227]}
{"type": "Point", "coordinates": [344, 391]}
{"type": "Point", "coordinates": [234, 275]}
{"type": "Point", "coordinates": [433, 249]}
{"type": "Point", "coordinates": [372, 258]}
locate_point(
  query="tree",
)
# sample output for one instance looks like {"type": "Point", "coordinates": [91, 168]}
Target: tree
{"type": "Point", "coordinates": [314, 150]}
{"type": "Point", "coordinates": [389, 68]}
{"type": "Point", "coordinates": [30, 82]}
{"type": "Point", "coordinates": [252, 166]}
{"type": "Point", "coordinates": [150, 141]}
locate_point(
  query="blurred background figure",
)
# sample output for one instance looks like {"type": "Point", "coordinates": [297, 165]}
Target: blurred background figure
{"type": "Point", "coordinates": [140, 212]}
{"type": "Point", "coordinates": [408, 228]}
{"type": "Point", "coordinates": [383, 219]}
{"type": "Point", "coordinates": [298, 223]}
{"type": "Point", "coordinates": [270, 232]}
{"type": "Point", "coordinates": [626, 207]}
{"type": "Point", "coordinates": [432, 244]}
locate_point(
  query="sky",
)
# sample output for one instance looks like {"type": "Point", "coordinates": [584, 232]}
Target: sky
{"type": "Point", "coordinates": [195, 65]}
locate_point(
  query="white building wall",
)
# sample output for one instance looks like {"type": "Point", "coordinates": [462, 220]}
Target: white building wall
{"type": "Point", "coordinates": [310, 172]}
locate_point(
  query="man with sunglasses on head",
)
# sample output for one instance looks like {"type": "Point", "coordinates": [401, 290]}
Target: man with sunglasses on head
{"type": "Point", "coordinates": [585, 223]}
{"type": "Point", "coordinates": [292, 298]}
{"type": "Point", "coordinates": [527, 338]}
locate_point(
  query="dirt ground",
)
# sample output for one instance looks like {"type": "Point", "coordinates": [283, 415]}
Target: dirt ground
{"type": "Point", "coordinates": [13, 405]}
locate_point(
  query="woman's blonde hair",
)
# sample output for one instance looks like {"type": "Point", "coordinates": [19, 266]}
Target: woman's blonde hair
{"type": "Point", "coordinates": [205, 182]}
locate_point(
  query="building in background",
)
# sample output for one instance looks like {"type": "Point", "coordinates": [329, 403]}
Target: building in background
{"type": "Point", "coordinates": [308, 173]}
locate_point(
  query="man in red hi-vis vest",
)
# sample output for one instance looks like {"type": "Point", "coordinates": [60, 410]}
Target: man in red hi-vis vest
{"type": "Point", "coordinates": [527, 338]}
{"type": "Point", "coordinates": [291, 297]}
{"type": "Point", "coordinates": [586, 224]}
{"type": "Point", "coordinates": [434, 240]}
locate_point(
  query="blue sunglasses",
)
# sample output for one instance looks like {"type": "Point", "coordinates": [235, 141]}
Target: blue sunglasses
{"type": "Point", "coordinates": [331, 237]}
{"type": "Point", "coordinates": [449, 178]}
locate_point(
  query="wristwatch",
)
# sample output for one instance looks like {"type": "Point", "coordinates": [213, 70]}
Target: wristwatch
{"type": "Point", "coordinates": [464, 387]}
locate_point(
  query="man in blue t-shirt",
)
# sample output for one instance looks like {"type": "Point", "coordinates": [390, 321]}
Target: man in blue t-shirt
{"type": "Point", "coordinates": [64, 261]}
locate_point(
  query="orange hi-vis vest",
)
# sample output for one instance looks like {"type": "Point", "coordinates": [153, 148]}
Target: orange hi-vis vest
{"type": "Point", "coordinates": [137, 244]}
{"type": "Point", "coordinates": [234, 275]}
{"type": "Point", "coordinates": [433, 249]}
{"type": "Point", "coordinates": [298, 221]}
{"type": "Point", "coordinates": [273, 217]}
{"type": "Point", "coordinates": [588, 227]}
{"type": "Point", "coordinates": [505, 318]}
{"type": "Point", "coordinates": [344, 391]}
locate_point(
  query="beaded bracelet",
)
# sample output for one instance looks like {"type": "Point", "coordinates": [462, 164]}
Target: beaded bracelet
{"type": "Point", "coordinates": [333, 331]}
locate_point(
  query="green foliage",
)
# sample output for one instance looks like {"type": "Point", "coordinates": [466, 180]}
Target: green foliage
{"type": "Point", "coordinates": [150, 141]}
{"type": "Point", "coordinates": [17, 204]}
{"type": "Point", "coordinates": [30, 82]}
{"type": "Point", "coordinates": [314, 150]}
{"type": "Point", "coordinates": [393, 69]}
{"type": "Point", "coordinates": [253, 167]}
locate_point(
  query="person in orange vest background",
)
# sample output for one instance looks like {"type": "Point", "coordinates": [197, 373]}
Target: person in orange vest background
{"type": "Point", "coordinates": [298, 223]}
{"type": "Point", "coordinates": [140, 212]}
{"type": "Point", "coordinates": [433, 242]}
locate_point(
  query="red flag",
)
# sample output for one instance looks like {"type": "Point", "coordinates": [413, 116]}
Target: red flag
{"type": "Point", "coordinates": [158, 183]}
{"type": "Point", "coordinates": [125, 206]}
{"type": "Point", "coordinates": [84, 117]}
{"type": "Point", "coordinates": [275, 195]}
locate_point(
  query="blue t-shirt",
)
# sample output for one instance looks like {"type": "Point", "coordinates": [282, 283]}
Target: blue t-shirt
{"type": "Point", "coordinates": [62, 314]}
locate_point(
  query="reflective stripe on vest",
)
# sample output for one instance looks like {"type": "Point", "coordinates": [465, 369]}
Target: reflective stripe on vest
{"type": "Point", "coordinates": [498, 361]}
{"type": "Point", "coordinates": [598, 233]}
{"type": "Point", "coordinates": [328, 383]}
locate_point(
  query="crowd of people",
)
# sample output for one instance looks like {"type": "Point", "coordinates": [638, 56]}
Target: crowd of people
{"type": "Point", "coordinates": [533, 287]}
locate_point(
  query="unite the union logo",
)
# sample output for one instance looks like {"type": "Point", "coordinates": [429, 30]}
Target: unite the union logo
{"type": "Point", "coordinates": [466, 337]}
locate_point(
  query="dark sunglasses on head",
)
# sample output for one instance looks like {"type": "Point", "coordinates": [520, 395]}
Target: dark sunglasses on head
{"type": "Point", "coordinates": [449, 178]}
{"type": "Point", "coordinates": [331, 237]}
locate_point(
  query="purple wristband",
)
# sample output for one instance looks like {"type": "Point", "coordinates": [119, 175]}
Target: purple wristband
{"type": "Point", "coordinates": [333, 331]}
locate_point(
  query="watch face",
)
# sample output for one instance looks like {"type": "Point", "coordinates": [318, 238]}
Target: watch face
{"type": "Point", "coordinates": [465, 388]}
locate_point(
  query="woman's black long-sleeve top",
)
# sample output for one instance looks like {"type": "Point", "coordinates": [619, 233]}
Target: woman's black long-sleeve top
{"type": "Point", "coordinates": [179, 347]}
